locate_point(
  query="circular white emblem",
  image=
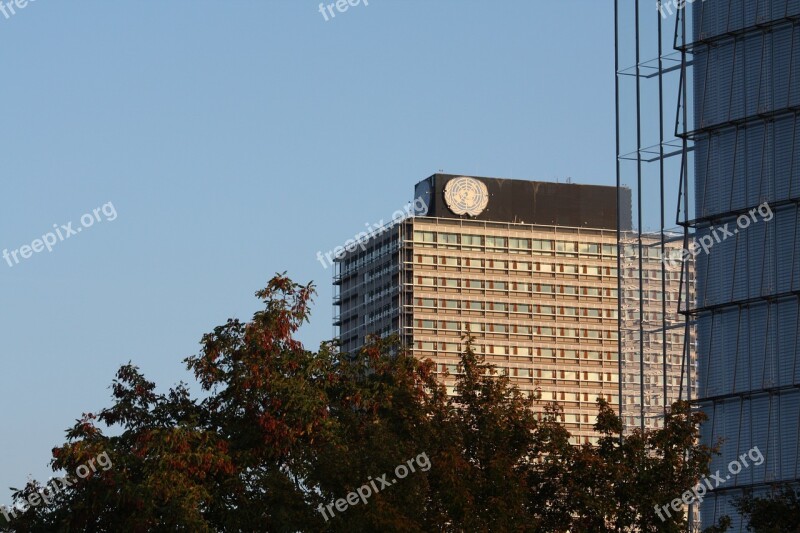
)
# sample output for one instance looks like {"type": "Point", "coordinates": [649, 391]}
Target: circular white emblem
{"type": "Point", "coordinates": [466, 196]}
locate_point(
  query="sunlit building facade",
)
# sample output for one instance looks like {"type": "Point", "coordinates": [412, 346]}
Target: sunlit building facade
{"type": "Point", "coordinates": [530, 269]}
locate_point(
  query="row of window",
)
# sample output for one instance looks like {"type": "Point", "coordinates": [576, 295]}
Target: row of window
{"type": "Point", "coordinates": [653, 274]}
{"type": "Point", "coordinates": [651, 296]}
{"type": "Point", "coordinates": [387, 289]}
{"type": "Point", "coordinates": [672, 358]}
{"type": "Point", "coordinates": [379, 314]}
{"type": "Point", "coordinates": [513, 244]}
{"type": "Point", "coordinates": [524, 351]}
{"type": "Point", "coordinates": [516, 286]}
{"type": "Point", "coordinates": [516, 329]}
{"type": "Point", "coordinates": [503, 307]}
{"type": "Point", "coordinates": [356, 261]}
{"type": "Point", "coordinates": [649, 316]}
{"type": "Point", "coordinates": [380, 272]}
{"type": "Point", "coordinates": [516, 266]}
{"type": "Point", "coordinates": [672, 379]}
{"type": "Point", "coordinates": [652, 252]}
{"type": "Point", "coordinates": [526, 372]}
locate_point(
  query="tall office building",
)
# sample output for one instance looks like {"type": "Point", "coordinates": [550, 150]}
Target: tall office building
{"type": "Point", "coordinates": [653, 334]}
{"type": "Point", "coordinates": [745, 74]}
{"type": "Point", "coordinates": [529, 268]}
{"type": "Point", "coordinates": [707, 97]}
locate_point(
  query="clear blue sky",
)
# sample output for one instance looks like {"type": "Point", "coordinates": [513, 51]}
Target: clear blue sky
{"type": "Point", "coordinates": [235, 139]}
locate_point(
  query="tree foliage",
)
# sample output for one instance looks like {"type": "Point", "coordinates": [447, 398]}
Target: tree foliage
{"type": "Point", "coordinates": [277, 431]}
{"type": "Point", "coordinates": [775, 513]}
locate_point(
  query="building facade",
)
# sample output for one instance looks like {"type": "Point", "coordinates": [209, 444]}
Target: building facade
{"type": "Point", "coordinates": [530, 269]}
{"type": "Point", "coordinates": [745, 75]}
{"type": "Point", "coordinates": [656, 343]}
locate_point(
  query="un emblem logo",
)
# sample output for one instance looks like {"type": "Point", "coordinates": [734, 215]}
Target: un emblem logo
{"type": "Point", "coordinates": [466, 196]}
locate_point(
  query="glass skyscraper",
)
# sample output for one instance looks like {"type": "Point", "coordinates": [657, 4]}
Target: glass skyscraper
{"type": "Point", "coordinates": [745, 91]}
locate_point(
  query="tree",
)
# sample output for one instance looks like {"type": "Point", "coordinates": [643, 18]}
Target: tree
{"type": "Point", "coordinates": [630, 482]}
{"type": "Point", "coordinates": [281, 438]}
{"type": "Point", "coordinates": [776, 513]}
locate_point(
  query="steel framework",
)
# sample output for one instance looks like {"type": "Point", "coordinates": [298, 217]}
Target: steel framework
{"type": "Point", "coordinates": [657, 340]}
{"type": "Point", "coordinates": [651, 150]}
{"type": "Point", "coordinates": [729, 74]}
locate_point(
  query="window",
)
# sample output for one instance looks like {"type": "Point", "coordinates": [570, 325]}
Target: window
{"type": "Point", "coordinates": [569, 332]}
{"type": "Point", "coordinates": [450, 304]}
{"type": "Point", "coordinates": [450, 283]}
{"type": "Point", "coordinates": [521, 287]}
{"type": "Point", "coordinates": [473, 263]}
{"type": "Point", "coordinates": [472, 240]}
{"type": "Point", "coordinates": [475, 306]}
{"type": "Point", "coordinates": [474, 284]}
{"type": "Point", "coordinates": [424, 236]}
{"type": "Point", "coordinates": [589, 248]}
{"type": "Point", "coordinates": [496, 242]}
{"type": "Point", "coordinates": [569, 249]}
{"type": "Point", "coordinates": [541, 245]}
{"type": "Point", "coordinates": [519, 245]}
{"type": "Point", "coordinates": [610, 249]}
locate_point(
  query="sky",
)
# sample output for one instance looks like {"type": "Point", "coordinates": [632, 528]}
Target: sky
{"type": "Point", "coordinates": [202, 146]}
